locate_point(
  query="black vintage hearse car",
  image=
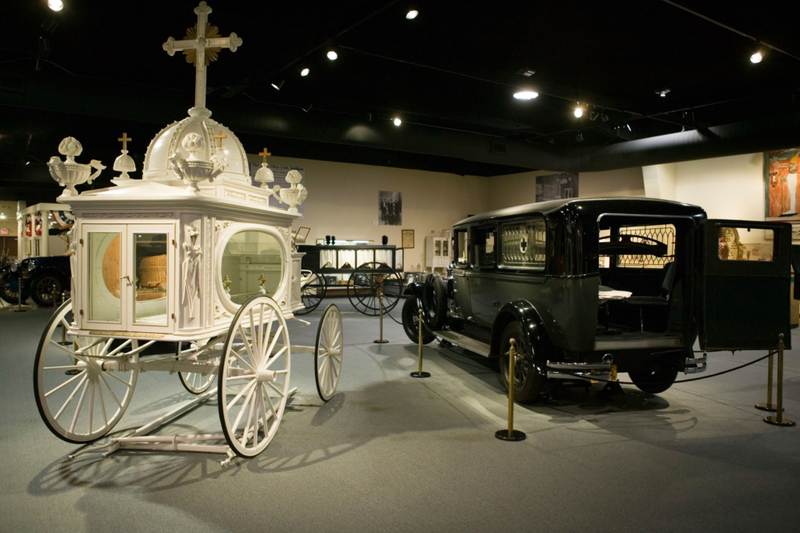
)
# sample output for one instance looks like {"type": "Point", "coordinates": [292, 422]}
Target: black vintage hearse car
{"type": "Point", "coordinates": [589, 287]}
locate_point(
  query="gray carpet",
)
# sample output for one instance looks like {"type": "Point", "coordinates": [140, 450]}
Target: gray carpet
{"type": "Point", "coordinates": [392, 453]}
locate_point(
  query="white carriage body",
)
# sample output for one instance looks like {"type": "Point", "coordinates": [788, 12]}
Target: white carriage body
{"type": "Point", "coordinates": [156, 259]}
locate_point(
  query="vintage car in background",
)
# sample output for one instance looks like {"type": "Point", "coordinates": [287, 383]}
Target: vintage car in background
{"type": "Point", "coordinates": [591, 287]}
{"type": "Point", "coordinates": [43, 279]}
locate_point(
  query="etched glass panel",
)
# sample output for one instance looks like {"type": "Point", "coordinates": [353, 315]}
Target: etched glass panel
{"type": "Point", "coordinates": [523, 245]}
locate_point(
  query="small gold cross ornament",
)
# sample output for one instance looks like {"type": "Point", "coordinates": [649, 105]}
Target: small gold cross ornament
{"type": "Point", "coordinates": [219, 137]}
{"type": "Point", "coordinates": [264, 155]}
{"type": "Point", "coordinates": [124, 140]}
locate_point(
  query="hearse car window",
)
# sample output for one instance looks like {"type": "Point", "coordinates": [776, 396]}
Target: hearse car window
{"type": "Point", "coordinates": [483, 246]}
{"type": "Point", "coordinates": [744, 244]}
{"type": "Point", "coordinates": [523, 245]}
{"type": "Point", "coordinates": [461, 247]}
{"type": "Point", "coordinates": [651, 246]}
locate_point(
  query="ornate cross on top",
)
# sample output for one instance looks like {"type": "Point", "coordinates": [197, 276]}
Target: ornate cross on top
{"type": "Point", "coordinates": [201, 46]}
{"type": "Point", "coordinates": [264, 154]}
{"type": "Point", "coordinates": [219, 136]}
{"type": "Point", "coordinates": [124, 140]}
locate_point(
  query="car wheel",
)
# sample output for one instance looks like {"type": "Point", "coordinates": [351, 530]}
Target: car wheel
{"type": "Point", "coordinates": [411, 322]}
{"type": "Point", "coordinates": [528, 382]}
{"type": "Point", "coordinates": [46, 288]}
{"type": "Point", "coordinates": [9, 289]}
{"type": "Point", "coordinates": [434, 302]}
{"type": "Point", "coordinates": [653, 381]}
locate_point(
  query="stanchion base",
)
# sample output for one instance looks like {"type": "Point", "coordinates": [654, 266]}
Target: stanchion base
{"type": "Point", "coordinates": [380, 341]}
{"type": "Point", "coordinates": [774, 421]}
{"type": "Point", "coordinates": [513, 436]}
{"type": "Point", "coordinates": [766, 407]}
{"type": "Point", "coordinates": [420, 374]}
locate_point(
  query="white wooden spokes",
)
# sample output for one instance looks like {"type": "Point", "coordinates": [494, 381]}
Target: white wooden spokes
{"type": "Point", "coordinates": [328, 352]}
{"type": "Point", "coordinates": [205, 350]}
{"type": "Point", "coordinates": [78, 398]}
{"type": "Point", "coordinates": [254, 376]}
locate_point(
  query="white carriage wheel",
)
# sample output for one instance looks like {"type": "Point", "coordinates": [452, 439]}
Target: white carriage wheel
{"type": "Point", "coordinates": [79, 392]}
{"type": "Point", "coordinates": [197, 382]}
{"type": "Point", "coordinates": [328, 352]}
{"type": "Point", "coordinates": [254, 376]}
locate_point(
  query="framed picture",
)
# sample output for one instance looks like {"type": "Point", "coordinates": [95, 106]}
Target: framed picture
{"type": "Point", "coordinates": [782, 190]}
{"type": "Point", "coordinates": [408, 238]}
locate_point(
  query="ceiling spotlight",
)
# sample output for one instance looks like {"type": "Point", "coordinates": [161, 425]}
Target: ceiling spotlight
{"type": "Point", "coordinates": [663, 92]}
{"type": "Point", "coordinates": [331, 53]}
{"type": "Point", "coordinates": [55, 5]}
{"type": "Point", "coordinates": [629, 127]}
{"type": "Point", "coordinates": [412, 14]}
{"type": "Point", "coordinates": [526, 95]}
{"type": "Point", "coordinates": [277, 85]}
{"type": "Point", "coordinates": [304, 72]}
{"type": "Point", "coordinates": [396, 121]}
{"type": "Point", "coordinates": [756, 57]}
{"type": "Point", "coordinates": [578, 111]}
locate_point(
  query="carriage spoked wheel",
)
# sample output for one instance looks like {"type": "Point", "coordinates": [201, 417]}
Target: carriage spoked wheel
{"type": "Point", "coordinates": [368, 282]}
{"type": "Point", "coordinates": [312, 290]}
{"type": "Point", "coordinates": [328, 352]}
{"type": "Point", "coordinates": [80, 391]}
{"type": "Point", "coordinates": [197, 382]}
{"type": "Point", "coordinates": [254, 376]}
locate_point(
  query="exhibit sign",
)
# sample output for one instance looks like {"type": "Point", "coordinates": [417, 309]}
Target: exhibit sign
{"type": "Point", "coordinates": [408, 238]}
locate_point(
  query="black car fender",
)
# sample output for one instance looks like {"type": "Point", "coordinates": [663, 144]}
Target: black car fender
{"type": "Point", "coordinates": [532, 323]}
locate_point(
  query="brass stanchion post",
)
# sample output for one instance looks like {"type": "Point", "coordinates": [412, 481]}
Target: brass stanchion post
{"type": "Point", "coordinates": [420, 373]}
{"type": "Point", "coordinates": [380, 298]}
{"type": "Point", "coordinates": [778, 420]}
{"type": "Point", "coordinates": [768, 406]}
{"type": "Point", "coordinates": [511, 434]}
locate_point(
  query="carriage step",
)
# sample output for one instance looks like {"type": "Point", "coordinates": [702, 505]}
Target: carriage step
{"type": "Point", "coordinates": [465, 342]}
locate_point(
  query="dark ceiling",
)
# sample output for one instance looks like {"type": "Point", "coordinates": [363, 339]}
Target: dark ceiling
{"type": "Point", "coordinates": [97, 69]}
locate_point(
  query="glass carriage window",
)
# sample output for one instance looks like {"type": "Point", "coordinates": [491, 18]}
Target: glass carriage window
{"type": "Point", "coordinates": [104, 277]}
{"type": "Point", "coordinates": [462, 245]}
{"type": "Point", "coordinates": [150, 258]}
{"type": "Point", "coordinates": [483, 246]}
{"type": "Point", "coordinates": [523, 245]}
{"type": "Point", "coordinates": [742, 244]}
{"type": "Point", "coordinates": [252, 263]}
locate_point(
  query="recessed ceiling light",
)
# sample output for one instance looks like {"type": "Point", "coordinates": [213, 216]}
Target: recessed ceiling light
{"type": "Point", "coordinates": [55, 5]}
{"type": "Point", "coordinates": [304, 72]}
{"type": "Point", "coordinates": [756, 57]}
{"type": "Point", "coordinates": [412, 14]}
{"type": "Point", "coordinates": [396, 121]}
{"type": "Point", "coordinates": [526, 95]}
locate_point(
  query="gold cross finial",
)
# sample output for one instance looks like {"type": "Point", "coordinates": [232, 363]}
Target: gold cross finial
{"type": "Point", "coordinates": [124, 140]}
{"type": "Point", "coordinates": [264, 154]}
{"type": "Point", "coordinates": [219, 137]}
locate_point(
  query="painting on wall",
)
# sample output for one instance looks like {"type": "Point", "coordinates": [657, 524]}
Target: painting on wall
{"type": "Point", "coordinates": [556, 186]}
{"type": "Point", "coordinates": [390, 208]}
{"type": "Point", "coordinates": [782, 189]}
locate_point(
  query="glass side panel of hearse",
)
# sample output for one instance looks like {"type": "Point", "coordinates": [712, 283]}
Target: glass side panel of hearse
{"type": "Point", "coordinates": [745, 291]}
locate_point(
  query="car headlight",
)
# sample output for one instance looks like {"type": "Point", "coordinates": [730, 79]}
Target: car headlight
{"type": "Point", "coordinates": [31, 265]}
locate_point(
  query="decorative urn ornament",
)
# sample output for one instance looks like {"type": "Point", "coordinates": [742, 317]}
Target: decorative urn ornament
{"type": "Point", "coordinates": [294, 195]}
{"type": "Point", "coordinates": [68, 173]}
{"type": "Point", "coordinates": [194, 170]}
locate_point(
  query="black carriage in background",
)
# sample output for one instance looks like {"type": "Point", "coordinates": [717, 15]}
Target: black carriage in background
{"type": "Point", "coordinates": [589, 287]}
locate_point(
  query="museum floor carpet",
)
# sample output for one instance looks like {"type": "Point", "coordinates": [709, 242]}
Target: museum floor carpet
{"type": "Point", "coordinates": [393, 453]}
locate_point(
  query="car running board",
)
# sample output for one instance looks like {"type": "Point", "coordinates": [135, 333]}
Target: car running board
{"type": "Point", "coordinates": [465, 342]}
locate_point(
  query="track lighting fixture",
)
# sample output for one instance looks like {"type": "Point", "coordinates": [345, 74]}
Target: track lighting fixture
{"type": "Point", "coordinates": [305, 71]}
{"type": "Point", "coordinates": [412, 14]}
{"type": "Point", "coordinates": [55, 5]}
{"type": "Point", "coordinates": [331, 52]}
{"type": "Point", "coordinates": [579, 137]}
{"type": "Point", "coordinates": [756, 57]}
{"type": "Point", "coordinates": [578, 112]}
{"type": "Point", "coordinates": [307, 108]}
{"type": "Point", "coordinates": [663, 92]}
{"type": "Point", "coordinates": [277, 85]}
{"type": "Point", "coordinates": [396, 121]}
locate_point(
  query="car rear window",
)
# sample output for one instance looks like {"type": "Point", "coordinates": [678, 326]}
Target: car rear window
{"type": "Point", "coordinates": [523, 245]}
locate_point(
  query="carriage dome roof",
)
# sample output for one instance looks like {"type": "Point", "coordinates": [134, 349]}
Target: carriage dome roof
{"type": "Point", "coordinates": [170, 141]}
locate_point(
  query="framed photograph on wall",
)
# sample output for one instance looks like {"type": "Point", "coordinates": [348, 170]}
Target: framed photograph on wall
{"type": "Point", "coordinates": [781, 185]}
{"type": "Point", "coordinates": [390, 208]}
{"type": "Point", "coordinates": [408, 238]}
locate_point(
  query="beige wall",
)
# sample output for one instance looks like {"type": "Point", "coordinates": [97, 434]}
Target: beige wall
{"type": "Point", "coordinates": [9, 223]}
{"type": "Point", "coordinates": [516, 189]}
{"type": "Point", "coordinates": [343, 201]}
